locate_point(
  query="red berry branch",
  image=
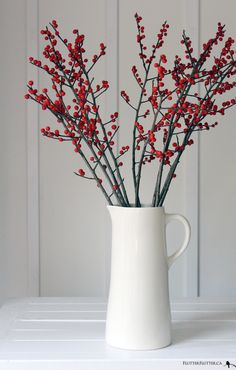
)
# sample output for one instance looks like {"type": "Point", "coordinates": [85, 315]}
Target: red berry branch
{"type": "Point", "coordinates": [177, 109]}
{"type": "Point", "coordinates": [80, 120]}
{"type": "Point", "coordinates": [167, 99]}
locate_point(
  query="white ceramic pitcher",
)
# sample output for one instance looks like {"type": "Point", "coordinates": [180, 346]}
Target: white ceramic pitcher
{"type": "Point", "coordinates": [138, 314]}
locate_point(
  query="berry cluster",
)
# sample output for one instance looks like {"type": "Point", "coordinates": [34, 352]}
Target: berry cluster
{"type": "Point", "coordinates": [176, 101]}
{"type": "Point", "coordinates": [178, 108]}
{"type": "Point", "coordinates": [79, 118]}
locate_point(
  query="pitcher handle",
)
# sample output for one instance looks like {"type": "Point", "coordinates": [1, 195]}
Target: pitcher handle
{"type": "Point", "coordinates": [187, 229]}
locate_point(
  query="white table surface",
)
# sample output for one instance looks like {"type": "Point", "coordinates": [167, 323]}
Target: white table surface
{"type": "Point", "coordinates": [68, 334]}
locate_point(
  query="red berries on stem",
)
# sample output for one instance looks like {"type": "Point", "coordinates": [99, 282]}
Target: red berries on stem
{"type": "Point", "coordinates": [81, 172]}
{"type": "Point", "coordinates": [167, 97]}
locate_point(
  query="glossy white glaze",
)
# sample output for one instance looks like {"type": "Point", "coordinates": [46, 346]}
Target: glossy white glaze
{"type": "Point", "coordinates": [138, 315]}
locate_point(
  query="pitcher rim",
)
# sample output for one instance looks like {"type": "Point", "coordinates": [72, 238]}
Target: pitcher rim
{"type": "Point", "coordinates": [143, 206]}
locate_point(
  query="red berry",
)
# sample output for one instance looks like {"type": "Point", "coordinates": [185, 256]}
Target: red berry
{"type": "Point", "coordinates": [81, 172]}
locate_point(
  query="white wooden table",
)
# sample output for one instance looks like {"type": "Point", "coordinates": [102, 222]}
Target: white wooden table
{"type": "Point", "coordinates": [68, 334]}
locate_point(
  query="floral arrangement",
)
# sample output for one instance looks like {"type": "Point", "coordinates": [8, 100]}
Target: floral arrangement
{"type": "Point", "coordinates": [169, 109]}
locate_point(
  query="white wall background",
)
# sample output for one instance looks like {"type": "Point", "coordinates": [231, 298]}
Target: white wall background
{"type": "Point", "coordinates": [49, 247]}
{"type": "Point", "coordinates": [13, 150]}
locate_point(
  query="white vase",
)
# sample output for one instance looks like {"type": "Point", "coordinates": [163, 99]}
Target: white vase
{"type": "Point", "coordinates": [138, 314]}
